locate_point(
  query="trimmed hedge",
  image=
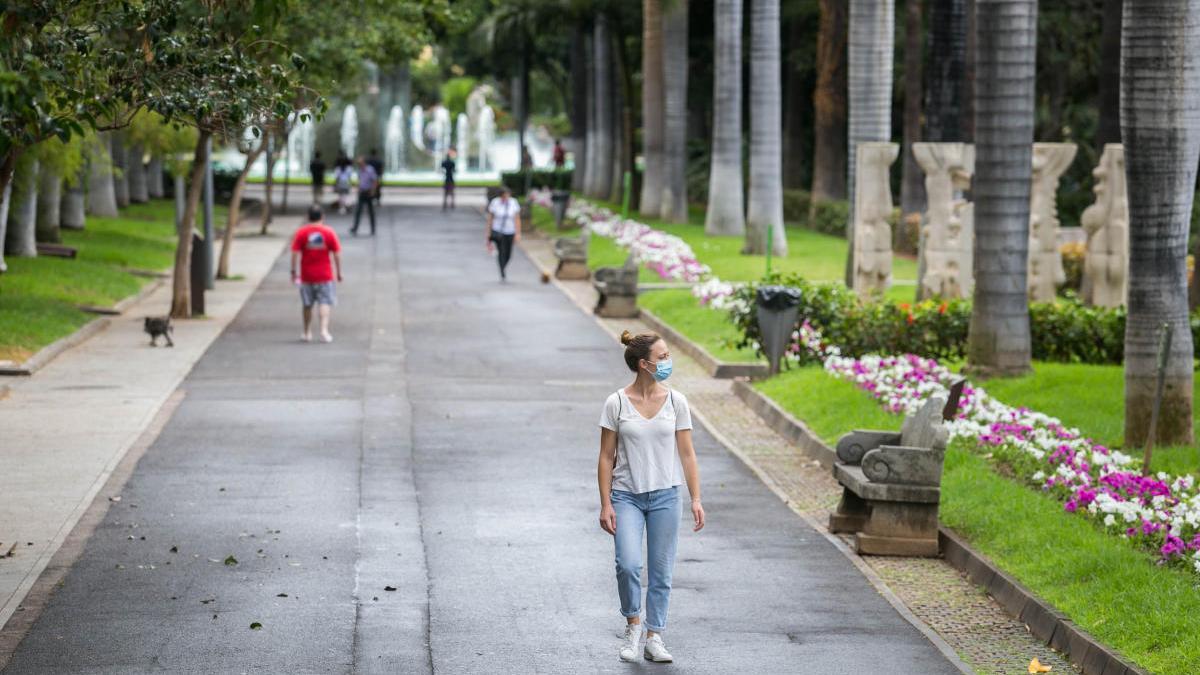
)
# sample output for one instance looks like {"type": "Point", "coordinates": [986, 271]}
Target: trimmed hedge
{"type": "Point", "coordinates": [553, 179]}
{"type": "Point", "coordinates": [1064, 331]}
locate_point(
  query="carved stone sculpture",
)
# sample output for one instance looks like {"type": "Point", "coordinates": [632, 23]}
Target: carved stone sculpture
{"type": "Point", "coordinates": [947, 239]}
{"type": "Point", "coordinates": [1106, 267]}
{"type": "Point", "coordinates": [1045, 270]}
{"type": "Point", "coordinates": [872, 208]}
{"type": "Point", "coordinates": [617, 287]}
{"type": "Point", "coordinates": [572, 257]}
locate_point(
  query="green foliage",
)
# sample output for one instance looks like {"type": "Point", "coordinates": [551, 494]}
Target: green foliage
{"type": "Point", "coordinates": [64, 158]}
{"type": "Point", "coordinates": [679, 309]}
{"type": "Point", "coordinates": [454, 94]}
{"type": "Point", "coordinates": [553, 179]}
{"type": "Point", "coordinates": [796, 205]}
{"type": "Point", "coordinates": [1067, 331]}
{"type": "Point", "coordinates": [830, 217]}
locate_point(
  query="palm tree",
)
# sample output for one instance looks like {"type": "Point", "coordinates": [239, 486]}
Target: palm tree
{"type": "Point", "coordinates": [999, 333]}
{"type": "Point", "coordinates": [652, 108]}
{"type": "Point", "coordinates": [872, 32]}
{"type": "Point", "coordinates": [726, 196]}
{"type": "Point", "coordinates": [1160, 97]}
{"type": "Point", "coordinates": [764, 212]}
{"type": "Point", "coordinates": [829, 105]}
{"type": "Point", "coordinates": [601, 156]}
{"type": "Point", "coordinates": [675, 72]}
{"type": "Point", "coordinates": [101, 197]}
{"type": "Point", "coordinates": [947, 62]}
{"type": "Point", "coordinates": [912, 181]}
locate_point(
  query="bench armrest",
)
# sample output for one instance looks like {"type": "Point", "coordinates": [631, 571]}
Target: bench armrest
{"type": "Point", "coordinates": [852, 446]}
{"type": "Point", "coordinates": [904, 465]}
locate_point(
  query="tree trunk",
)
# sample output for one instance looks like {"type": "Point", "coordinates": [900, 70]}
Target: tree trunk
{"type": "Point", "coordinates": [796, 110]}
{"type": "Point", "coordinates": [968, 96]}
{"type": "Point", "coordinates": [675, 114]}
{"type": "Point", "coordinates": [764, 209]}
{"type": "Point", "coordinates": [267, 206]}
{"type": "Point", "coordinates": [1108, 102]}
{"type": "Point", "coordinates": [101, 197]}
{"type": "Point", "coordinates": [154, 178]}
{"type": "Point", "coordinates": [235, 212]}
{"type": "Point", "coordinates": [998, 340]}
{"type": "Point", "coordinates": [5, 197]}
{"type": "Point", "coordinates": [181, 294]}
{"type": "Point", "coordinates": [726, 194]}
{"type": "Point", "coordinates": [589, 166]}
{"type": "Point", "coordinates": [622, 116]}
{"type": "Point", "coordinates": [872, 32]}
{"type": "Point", "coordinates": [1160, 125]}
{"type": "Point", "coordinates": [49, 206]}
{"type": "Point", "coordinates": [579, 106]}
{"type": "Point", "coordinates": [120, 177]}
{"type": "Point", "coordinates": [652, 108]}
{"type": "Point", "coordinates": [602, 109]}
{"type": "Point", "coordinates": [829, 104]}
{"type": "Point", "coordinates": [139, 190]}
{"type": "Point", "coordinates": [945, 93]}
{"type": "Point", "coordinates": [22, 214]}
{"type": "Point", "coordinates": [912, 181]}
{"type": "Point", "coordinates": [71, 214]}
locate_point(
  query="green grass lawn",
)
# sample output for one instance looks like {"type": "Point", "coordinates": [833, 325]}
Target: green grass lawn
{"type": "Point", "coordinates": [1149, 613]}
{"type": "Point", "coordinates": [39, 297]}
{"type": "Point", "coordinates": [711, 329]}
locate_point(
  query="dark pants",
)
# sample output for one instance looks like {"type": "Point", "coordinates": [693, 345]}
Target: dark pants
{"type": "Point", "coordinates": [364, 199]}
{"type": "Point", "coordinates": [504, 245]}
{"type": "Point", "coordinates": [447, 195]}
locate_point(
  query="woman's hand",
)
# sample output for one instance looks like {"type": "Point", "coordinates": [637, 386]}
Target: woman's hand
{"type": "Point", "coordinates": [608, 519]}
{"type": "Point", "coordinates": [698, 516]}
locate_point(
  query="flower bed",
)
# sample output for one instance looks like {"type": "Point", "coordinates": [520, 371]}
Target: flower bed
{"type": "Point", "coordinates": [1159, 513]}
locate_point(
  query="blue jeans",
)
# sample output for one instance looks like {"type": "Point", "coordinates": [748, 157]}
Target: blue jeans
{"type": "Point", "coordinates": [657, 512]}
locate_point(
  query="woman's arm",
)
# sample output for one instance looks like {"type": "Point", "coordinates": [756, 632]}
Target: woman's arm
{"type": "Point", "coordinates": [517, 225]}
{"type": "Point", "coordinates": [604, 475]}
{"type": "Point", "coordinates": [487, 230]}
{"type": "Point", "coordinates": [691, 471]}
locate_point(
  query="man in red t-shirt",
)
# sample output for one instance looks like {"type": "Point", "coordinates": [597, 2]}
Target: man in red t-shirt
{"type": "Point", "coordinates": [313, 245]}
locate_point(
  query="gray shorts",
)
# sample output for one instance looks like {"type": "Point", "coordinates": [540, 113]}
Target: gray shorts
{"type": "Point", "coordinates": [318, 294]}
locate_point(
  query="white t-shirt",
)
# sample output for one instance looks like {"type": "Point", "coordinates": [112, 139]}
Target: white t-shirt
{"type": "Point", "coordinates": [504, 215]}
{"type": "Point", "coordinates": [647, 458]}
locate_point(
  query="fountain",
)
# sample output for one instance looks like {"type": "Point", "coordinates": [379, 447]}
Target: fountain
{"type": "Point", "coordinates": [301, 140]}
{"type": "Point", "coordinates": [463, 140]}
{"type": "Point", "coordinates": [393, 141]}
{"type": "Point", "coordinates": [416, 128]}
{"type": "Point", "coordinates": [349, 130]}
{"type": "Point", "coordinates": [441, 132]}
{"type": "Point", "coordinates": [486, 134]}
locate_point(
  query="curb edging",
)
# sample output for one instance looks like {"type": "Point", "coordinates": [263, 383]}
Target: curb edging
{"type": "Point", "coordinates": [722, 370]}
{"type": "Point", "coordinates": [47, 354]}
{"type": "Point", "coordinates": [784, 423]}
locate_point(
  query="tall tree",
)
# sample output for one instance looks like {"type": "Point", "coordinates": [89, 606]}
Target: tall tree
{"type": "Point", "coordinates": [135, 171]}
{"type": "Point", "coordinates": [972, 44]}
{"type": "Point", "coordinates": [652, 107]}
{"type": "Point", "coordinates": [101, 197]}
{"type": "Point", "coordinates": [998, 338]}
{"type": "Point", "coordinates": [1109, 100]}
{"type": "Point", "coordinates": [20, 240]}
{"type": "Point", "coordinates": [120, 177]}
{"type": "Point", "coordinates": [945, 91]}
{"type": "Point", "coordinates": [829, 103]}
{"type": "Point", "coordinates": [675, 113]}
{"type": "Point", "coordinates": [764, 210]}
{"type": "Point", "coordinates": [252, 151]}
{"type": "Point", "coordinates": [59, 164]}
{"type": "Point", "coordinates": [726, 196]}
{"type": "Point", "coordinates": [602, 109]}
{"type": "Point", "coordinates": [1160, 126]}
{"type": "Point", "coordinates": [579, 103]}
{"type": "Point", "coordinates": [872, 34]}
{"type": "Point", "coordinates": [912, 180]}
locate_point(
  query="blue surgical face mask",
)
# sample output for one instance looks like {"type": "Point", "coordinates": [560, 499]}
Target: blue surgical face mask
{"type": "Point", "coordinates": [662, 370]}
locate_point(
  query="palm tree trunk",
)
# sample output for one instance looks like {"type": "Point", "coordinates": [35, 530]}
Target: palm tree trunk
{"type": "Point", "coordinates": [139, 190]}
{"type": "Point", "coordinates": [101, 197]}
{"type": "Point", "coordinates": [181, 289]}
{"type": "Point", "coordinates": [71, 214]}
{"type": "Point", "coordinates": [675, 113]}
{"type": "Point", "coordinates": [968, 95]}
{"type": "Point", "coordinates": [872, 32]}
{"type": "Point", "coordinates": [579, 106]}
{"type": "Point", "coordinates": [120, 178]}
{"type": "Point", "coordinates": [829, 104]}
{"type": "Point", "coordinates": [1160, 125]}
{"type": "Point", "coordinates": [945, 91]}
{"type": "Point", "coordinates": [999, 342]}
{"type": "Point", "coordinates": [154, 178]}
{"type": "Point", "coordinates": [49, 205]}
{"type": "Point", "coordinates": [912, 181]}
{"type": "Point", "coordinates": [652, 108]}
{"type": "Point", "coordinates": [1108, 101]}
{"type": "Point", "coordinates": [797, 111]}
{"type": "Point", "coordinates": [235, 212]}
{"type": "Point", "coordinates": [726, 195]}
{"type": "Point", "coordinates": [602, 106]}
{"type": "Point", "coordinates": [21, 240]}
{"type": "Point", "coordinates": [589, 165]}
{"type": "Point", "coordinates": [764, 209]}
{"type": "Point", "coordinates": [622, 86]}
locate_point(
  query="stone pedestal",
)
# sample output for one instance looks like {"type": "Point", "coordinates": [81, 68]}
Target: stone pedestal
{"type": "Point", "coordinates": [572, 258]}
{"type": "Point", "coordinates": [1045, 270]}
{"type": "Point", "coordinates": [1106, 267]}
{"type": "Point", "coordinates": [617, 287]}
{"type": "Point", "coordinates": [946, 249]}
{"type": "Point", "coordinates": [872, 207]}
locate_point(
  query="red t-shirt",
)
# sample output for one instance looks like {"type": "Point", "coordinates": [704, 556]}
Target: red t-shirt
{"type": "Point", "coordinates": [315, 242]}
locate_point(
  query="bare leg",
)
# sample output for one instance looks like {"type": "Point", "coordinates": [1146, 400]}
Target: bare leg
{"type": "Point", "coordinates": [307, 334]}
{"type": "Point", "coordinates": [325, 311]}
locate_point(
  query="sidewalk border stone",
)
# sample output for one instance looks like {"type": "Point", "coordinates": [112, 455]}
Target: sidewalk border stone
{"type": "Point", "coordinates": [784, 423]}
{"type": "Point", "coordinates": [47, 354]}
{"type": "Point", "coordinates": [721, 370]}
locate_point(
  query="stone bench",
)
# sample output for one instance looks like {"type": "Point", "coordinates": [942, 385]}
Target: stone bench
{"type": "Point", "coordinates": [617, 287]}
{"type": "Point", "coordinates": [572, 258]}
{"type": "Point", "coordinates": [891, 485]}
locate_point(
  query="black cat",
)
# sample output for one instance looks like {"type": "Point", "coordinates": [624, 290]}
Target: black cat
{"type": "Point", "coordinates": [158, 325]}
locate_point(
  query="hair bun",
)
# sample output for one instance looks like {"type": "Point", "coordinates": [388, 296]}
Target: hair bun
{"type": "Point", "coordinates": [626, 337]}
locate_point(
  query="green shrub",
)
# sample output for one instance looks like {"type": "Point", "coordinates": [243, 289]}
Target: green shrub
{"type": "Point", "coordinates": [795, 206]}
{"type": "Point", "coordinates": [553, 179]}
{"type": "Point", "coordinates": [830, 217]}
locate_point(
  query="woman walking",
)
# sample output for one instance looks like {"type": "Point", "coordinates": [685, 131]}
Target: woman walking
{"type": "Point", "coordinates": [646, 453]}
{"type": "Point", "coordinates": [503, 226]}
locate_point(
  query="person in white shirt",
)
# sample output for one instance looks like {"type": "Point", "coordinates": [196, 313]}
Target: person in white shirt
{"type": "Point", "coordinates": [503, 226]}
{"type": "Point", "coordinates": [646, 453]}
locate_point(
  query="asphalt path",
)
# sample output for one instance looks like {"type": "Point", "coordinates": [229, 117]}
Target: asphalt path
{"type": "Point", "coordinates": [419, 496]}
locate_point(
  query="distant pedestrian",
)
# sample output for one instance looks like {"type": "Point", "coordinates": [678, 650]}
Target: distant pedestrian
{"type": "Point", "coordinates": [560, 155]}
{"type": "Point", "coordinates": [377, 164]}
{"type": "Point", "coordinates": [314, 246]}
{"type": "Point", "coordinates": [503, 226]}
{"type": "Point", "coordinates": [317, 168]}
{"type": "Point", "coordinates": [368, 180]}
{"type": "Point", "coordinates": [342, 177]}
{"type": "Point", "coordinates": [448, 169]}
{"type": "Point", "coordinates": [646, 453]}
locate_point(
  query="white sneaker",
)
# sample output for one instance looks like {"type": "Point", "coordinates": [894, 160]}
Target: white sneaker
{"type": "Point", "coordinates": [326, 337]}
{"type": "Point", "coordinates": [633, 635]}
{"type": "Point", "coordinates": [656, 651]}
